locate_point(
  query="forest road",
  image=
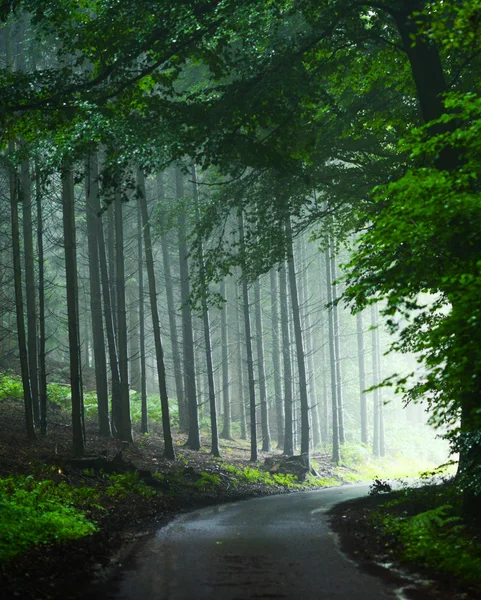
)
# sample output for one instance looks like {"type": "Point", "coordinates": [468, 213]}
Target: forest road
{"type": "Point", "coordinates": [272, 547]}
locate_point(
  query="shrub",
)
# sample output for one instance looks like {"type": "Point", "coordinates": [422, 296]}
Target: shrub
{"type": "Point", "coordinates": [37, 512]}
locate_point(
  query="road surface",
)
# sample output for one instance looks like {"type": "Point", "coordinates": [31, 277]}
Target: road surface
{"type": "Point", "coordinates": [273, 547]}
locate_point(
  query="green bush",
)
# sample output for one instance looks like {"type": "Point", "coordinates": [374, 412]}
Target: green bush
{"type": "Point", "coordinates": [10, 387]}
{"type": "Point", "coordinates": [38, 512]}
{"type": "Point", "coordinates": [435, 539]}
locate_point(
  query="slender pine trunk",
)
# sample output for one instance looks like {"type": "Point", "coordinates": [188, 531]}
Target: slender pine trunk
{"type": "Point", "coordinates": [42, 367]}
{"type": "Point", "coordinates": [286, 360]}
{"type": "Point", "coordinates": [17, 277]}
{"type": "Point", "coordinates": [336, 453]}
{"type": "Point", "coordinates": [159, 352]}
{"type": "Point", "coordinates": [276, 361]}
{"type": "Point", "coordinates": [68, 202]}
{"type": "Point", "coordinates": [100, 360]}
{"type": "Point", "coordinates": [125, 432]}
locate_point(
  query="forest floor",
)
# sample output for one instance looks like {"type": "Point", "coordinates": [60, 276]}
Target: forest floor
{"type": "Point", "coordinates": [150, 491]}
{"type": "Point", "coordinates": [379, 552]}
{"type": "Point", "coordinates": [129, 507]}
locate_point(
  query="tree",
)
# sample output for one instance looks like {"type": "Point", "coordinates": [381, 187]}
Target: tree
{"type": "Point", "coordinates": [68, 204]}
{"type": "Point", "coordinates": [93, 225]}
{"type": "Point", "coordinates": [193, 440]}
{"type": "Point", "coordinates": [159, 352]}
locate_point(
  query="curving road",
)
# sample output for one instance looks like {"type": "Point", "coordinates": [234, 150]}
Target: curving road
{"type": "Point", "coordinates": [274, 547]}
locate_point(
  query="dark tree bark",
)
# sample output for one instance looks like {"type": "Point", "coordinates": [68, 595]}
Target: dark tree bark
{"type": "Point", "coordinates": [100, 361]}
{"type": "Point", "coordinates": [336, 453]}
{"type": "Point", "coordinates": [109, 322]}
{"type": "Point", "coordinates": [42, 368]}
{"type": "Point", "coordinates": [30, 287]}
{"type": "Point", "coordinates": [362, 378]}
{"type": "Point", "coordinates": [276, 360]}
{"type": "Point", "coordinates": [193, 441]}
{"type": "Point", "coordinates": [266, 434]}
{"type": "Point", "coordinates": [17, 276]}
{"type": "Point", "coordinates": [174, 339]}
{"type": "Point", "coordinates": [144, 426]}
{"type": "Point", "coordinates": [72, 309]}
{"type": "Point", "coordinates": [207, 341]}
{"type": "Point", "coordinates": [375, 381]}
{"type": "Point", "coordinates": [337, 352]}
{"type": "Point", "coordinates": [125, 430]}
{"type": "Point", "coordinates": [111, 262]}
{"type": "Point", "coordinates": [286, 361]}
{"type": "Point", "coordinates": [240, 365]}
{"type": "Point", "coordinates": [159, 352]}
{"type": "Point", "coordinates": [304, 404]}
{"type": "Point", "coordinates": [248, 344]}
{"type": "Point", "coordinates": [227, 416]}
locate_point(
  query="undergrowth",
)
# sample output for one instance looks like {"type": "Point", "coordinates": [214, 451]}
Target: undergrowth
{"type": "Point", "coordinates": [428, 531]}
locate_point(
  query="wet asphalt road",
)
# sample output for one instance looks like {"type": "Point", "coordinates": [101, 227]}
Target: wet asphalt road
{"type": "Point", "coordinates": [274, 547]}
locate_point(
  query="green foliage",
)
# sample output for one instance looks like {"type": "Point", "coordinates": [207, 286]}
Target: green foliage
{"type": "Point", "coordinates": [11, 387]}
{"type": "Point", "coordinates": [251, 475]}
{"type": "Point", "coordinates": [207, 480]}
{"type": "Point", "coordinates": [122, 485]}
{"type": "Point", "coordinates": [435, 538]}
{"type": "Point", "coordinates": [39, 512]}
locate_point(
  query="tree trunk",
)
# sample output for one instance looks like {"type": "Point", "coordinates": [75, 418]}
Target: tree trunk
{"type": "Point", "coordinates": [266, 434]}
{"type": "Point", "coordinates": [68, 202]}
{"type": "Point", "coordinates": [159, 352]}
{"type": "Point", "coordinates": [227, 417]}
{"type": "Point", "coordinates": [42, 368]}
{"type": "Point", "coordinates": [304, 404]}
{"type": "Point", "coordinates": [125, 432]}
{"type": "Point", "coordinates": [100, 360]}
{"type": "Point", "coordinates": [248, 343]}
{"type": "Point", "coordinates": [337, 351]}
{"type": "Point", "coordinates": [286, 360]}
{"type": "Point", "coordinates": [336, 453]}
{"type": "Point", "coordinates": [30, 288]}
{"type": "Point", "coordinates": [276, 361]}
{"type": "Point", "coordinates": [375, 382]}
{"type": "Point", "coordinates": [144, 425]}
{"type": "Point", "coordinates": [240, 365]}
{"type": "Point", "coordinates": [207, 340]}
{"type": "Point", "coordinates": [193, 441]}
{"type": "Point", "coordinates": [362, 378]}
{"type": "Point", "coordinates": [109, 321]}
{"type": "Point", "coordinates": [174, 339]}
{"type": "Point", "coordinates": [17, 276]}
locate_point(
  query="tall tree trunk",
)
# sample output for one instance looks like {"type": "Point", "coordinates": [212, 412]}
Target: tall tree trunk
{"type": "Point", "coordinates": [109, 321]}
{"type": "Point", "coordinates": [362, 378]}
{"type": "Point", "coordinates": [337, 351]}
{"type": "Point", "coordinates": [42, 368]}
{"type": "Point", "coordinates": [174, 339]}
{"type": "Point", "coordinates": [125, 432]}
{"type": "Point", "coordinates": [286, 360]}
{"type": "Point", "coordinates": [68, 202]}
{"type": "Point", "coordinates": [248, 343]}
{"type": "Point", "coordinates": [266, 434]}
{"type": "Point", "coordinates": [159, 352]}
{"type": "Point", "coordinates": [17, 276]}
{"type": "Point", "coordinates": [144, 425]}
{"type": "Point", "coordinates": [306, 317]}
{"type": "Point", "coordinates": [111, 261]}
{"type": "Point", "coordinates": [207, 340]}
{"type": "Point", "coordinates": [240, 365]}
{"type": "Point", "coordinates": [226, 433]}
{"type": "Point", "coordinates": [30, 288]}
{"type": "Point", "coordinates": [276, 360]}
{"type": "Point", "coordinates": [304, 404]}
{"type": "Point", "coordinates": [100, 360]}
{"type": "Point", "coordinates": [193, 440]}
{"type": "Point", "coordinates": [336, 453]}
{"type": "Point", "coordinates": [375, 382]}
